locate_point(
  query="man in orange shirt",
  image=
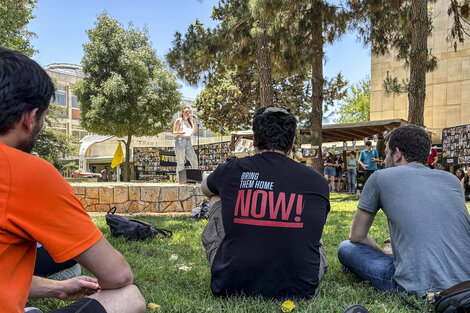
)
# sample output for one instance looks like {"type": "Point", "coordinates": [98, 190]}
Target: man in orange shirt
{"type": "Point", "coordinates": [38, 205]}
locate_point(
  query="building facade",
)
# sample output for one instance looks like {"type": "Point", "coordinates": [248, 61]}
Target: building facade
{"type": "Point", "coordinates": [64, 76]}
{"type": "Point", "coordinates": [447, 88]}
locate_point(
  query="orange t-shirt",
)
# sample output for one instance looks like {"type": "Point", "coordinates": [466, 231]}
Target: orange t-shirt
{"type": "Point", "coordinates": [36, 205]}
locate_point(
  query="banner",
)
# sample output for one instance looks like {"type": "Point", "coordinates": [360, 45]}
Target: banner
{"type": "Point", "coordinates": [118, 156]}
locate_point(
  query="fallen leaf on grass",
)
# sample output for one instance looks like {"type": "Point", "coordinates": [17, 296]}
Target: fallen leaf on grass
{"type": "Point", "coordinates": [192, 264]}
{"type": "Point", "coordinates": [287, 306]}
{"type": "Point", "coordinates": [183, 267]}
{"type": "Point", "coordinates": [154, 307]}
{"type": "Point", "coordinates": [173, 257]}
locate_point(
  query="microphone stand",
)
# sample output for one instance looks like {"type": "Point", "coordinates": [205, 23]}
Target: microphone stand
{"type": "Point", "coordinates": [198, 130]}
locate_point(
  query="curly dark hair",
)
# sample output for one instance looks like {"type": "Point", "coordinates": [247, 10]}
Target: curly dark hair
{"type": "Point", "coordinates": [24, 86]}
{"type": "Point", "coordinates": [413, 142]}
{"type": "Point", "coordinates": [274, 128]}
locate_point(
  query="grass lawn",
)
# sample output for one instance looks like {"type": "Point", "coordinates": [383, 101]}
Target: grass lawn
{"type": "Point", "coordinates": [176, 290]}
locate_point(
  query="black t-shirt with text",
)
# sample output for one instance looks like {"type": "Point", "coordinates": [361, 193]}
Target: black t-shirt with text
{"type": "Point", "coordinates": [273, 212]}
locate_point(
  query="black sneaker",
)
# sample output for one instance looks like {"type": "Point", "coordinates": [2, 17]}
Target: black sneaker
{"type": "Point", "coordinates": [356, 308]}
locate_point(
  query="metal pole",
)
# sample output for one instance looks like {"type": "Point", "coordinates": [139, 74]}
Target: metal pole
{"type": "Point", "coordinates": [118, 170]}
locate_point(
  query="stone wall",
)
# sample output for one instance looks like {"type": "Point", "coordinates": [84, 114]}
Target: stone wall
{"type": "Point", "coordinates": [138, 197]}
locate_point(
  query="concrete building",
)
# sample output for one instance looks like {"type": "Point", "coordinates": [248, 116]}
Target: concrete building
{"type": "Point", "coordinates": [64, 76]}
{"type": "Point", "coordinates": [447, 88]}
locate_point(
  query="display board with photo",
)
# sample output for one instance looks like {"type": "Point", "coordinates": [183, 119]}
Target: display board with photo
{"type": "Point", "coordinates": [456, 145]}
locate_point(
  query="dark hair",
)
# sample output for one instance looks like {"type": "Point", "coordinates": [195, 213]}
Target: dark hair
{"type": "Point", "coordinates": [24, 86]}
{"type": "Point", "coordinates": [413, 142]}
{"type": "Point", "coordinates": [274, 128]}
{"type": "Point", "coordinates": [353, 153]}
{"type": "Point", "coordinates": [368, 143]}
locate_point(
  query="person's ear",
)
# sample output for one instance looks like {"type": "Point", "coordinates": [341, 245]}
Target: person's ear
{"type": "Point", "coordinates": [397, 156]}
{"type": "Point", "coordinates": [27, 119]}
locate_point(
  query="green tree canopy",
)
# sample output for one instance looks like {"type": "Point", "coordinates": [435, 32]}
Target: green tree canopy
{"type": "Point", "coordinates": [302, 28]}
{"type": "Point", "coordinates": [227, 60]}
{"type": "Point", "coordinates": [52, 144]}
{"type": "Point", "coordinates": [14, 16]}
{"type": "Point", "coordinates": [355, 107]}
{"type": "Point", "coordinates": [126, 91]}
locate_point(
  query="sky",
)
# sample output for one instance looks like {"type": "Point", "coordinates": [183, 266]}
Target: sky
{"type": "Point", "coordinates": [60, 27]}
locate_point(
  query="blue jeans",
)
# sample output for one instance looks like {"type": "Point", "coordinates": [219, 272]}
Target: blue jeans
{"type": "Point", "coordinates": [184, 150]}
{"type": "Point", "coordinates": [352, 174]}
{"type": "Point", "coordinates": [329, 170]}
{"type": "Point", "coordinates": [368, 264]}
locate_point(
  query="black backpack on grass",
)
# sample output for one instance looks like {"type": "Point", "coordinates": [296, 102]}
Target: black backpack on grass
{"type": "Point", "coordinates": [454, 299]}
{"type": "Point", "coordinates": [132, 229]}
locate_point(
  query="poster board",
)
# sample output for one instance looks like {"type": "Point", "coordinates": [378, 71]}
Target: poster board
{"type": "Point", "coordinates": [456, 145]}
{"type": "Point", "coordinates": [152, 162]}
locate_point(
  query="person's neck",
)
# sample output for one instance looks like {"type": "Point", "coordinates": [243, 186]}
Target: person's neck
{"type": "Point", "coordinates": [258, 151]}
{"type": "Point", "coordinates": [8, 140]}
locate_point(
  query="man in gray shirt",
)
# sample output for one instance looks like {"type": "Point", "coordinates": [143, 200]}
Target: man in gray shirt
{"type": "Point", "coordinates": [427, 218]}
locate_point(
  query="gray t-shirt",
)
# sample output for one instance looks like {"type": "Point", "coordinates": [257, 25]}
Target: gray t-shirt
{"type": "Point", "coordinates": [428, 222]}
{"type": "Point", "coordinates": [352, 163]}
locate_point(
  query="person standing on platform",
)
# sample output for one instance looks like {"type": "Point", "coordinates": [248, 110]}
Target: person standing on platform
{"type": "Point", "coordinates": [368, 160]}
{"type": "Point", "coordinates": [183, 129]}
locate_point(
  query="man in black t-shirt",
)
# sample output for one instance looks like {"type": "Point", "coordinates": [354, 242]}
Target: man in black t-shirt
{"type": "Point", "coordinates": [267, 217]}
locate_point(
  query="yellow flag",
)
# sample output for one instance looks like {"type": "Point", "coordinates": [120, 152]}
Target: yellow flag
{"type": "Point", "coordinates": [118, 156]}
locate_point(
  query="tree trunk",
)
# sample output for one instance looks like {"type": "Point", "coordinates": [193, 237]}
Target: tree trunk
{"type": "Point", "coordinates": [127, 166]}
{"type": "Point", "coordinates": [418, 57]}
{"type": "Point", "coordinates": [264, 68]}
{"type": "Point", "coordinates": [317, 84]}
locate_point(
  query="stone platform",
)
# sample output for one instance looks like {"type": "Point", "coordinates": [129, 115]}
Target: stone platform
{"type": "Point", "coordinates": [138, 197]}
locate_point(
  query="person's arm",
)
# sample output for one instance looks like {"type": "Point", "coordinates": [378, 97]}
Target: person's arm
{"type": "Point", "coordinates": [360, 230]}
{"type": "Point", "coordinates": [107, 264]}
{"type": "Point", "coordinates": [177, 129]}
{"type": "Point", "coordinates": [362, 164]}
{"type": "Point", "coordinates": [205, 189]}
{"type": "Point", "coordinates": [462, 181]}
{"type": "Point", "coordinates": [435, 158]}
{"type": "Point", "coordinates": [70, 289]}
{"type": "Point", "coordinates": [376, 156]}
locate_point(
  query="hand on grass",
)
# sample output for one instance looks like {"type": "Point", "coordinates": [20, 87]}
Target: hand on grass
{"type": "Point", "coordinates": [388, 247]}
{"type": "Point", "coordinates": [78, 287]}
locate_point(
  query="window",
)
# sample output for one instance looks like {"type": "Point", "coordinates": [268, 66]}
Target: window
{"type": "Point", "coordinates": [60, 96]}
{"type": "Point", "coordinates": [74, 102]}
